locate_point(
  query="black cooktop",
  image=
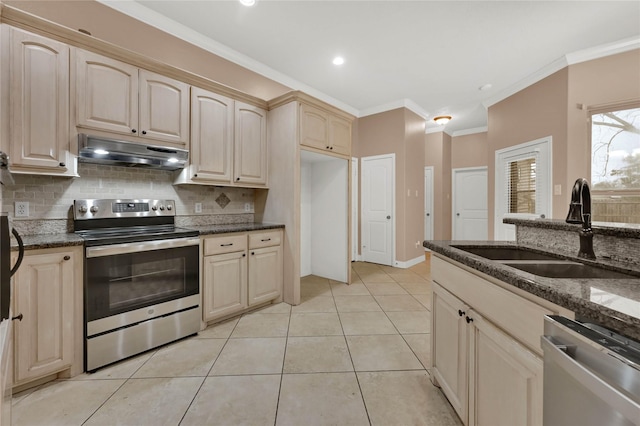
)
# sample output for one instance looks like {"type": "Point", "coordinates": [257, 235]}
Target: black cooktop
{"type": "Point", "coordinates": [131, 234]}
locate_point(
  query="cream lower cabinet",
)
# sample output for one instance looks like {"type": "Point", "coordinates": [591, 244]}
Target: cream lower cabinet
{"type": "Point", "coordinates": [265, 266]}
{"type": "Point", "coordinates": [486, 353]}
{"type": "Point", "coordinates": [47, 293]}
{"type": "Point", "coordinates": [235, 277]}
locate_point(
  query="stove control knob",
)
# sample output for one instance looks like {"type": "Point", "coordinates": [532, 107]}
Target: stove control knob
{"type": "Point", "coordinates": [82, 209]}
{"type": "Point", "coordinates": [169, 207]}
{"type": "Point", "coordinates": [94, 209]}
{"type": "Point", "coordinates": [154, 208]}
{"type": "Point", "coordinates": [161, 207]}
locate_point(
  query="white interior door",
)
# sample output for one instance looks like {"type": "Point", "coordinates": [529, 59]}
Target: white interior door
{"type": "Point", "coordinates": [378, 209]}
{"type": "Point", "coordinates": [470, 212]}
{"type": "Point", "coordinates": [354, 209]}
{"type": "Point", "coordinates": [428, 203]}
{"type": "Point", "coordinates": [523, 184]}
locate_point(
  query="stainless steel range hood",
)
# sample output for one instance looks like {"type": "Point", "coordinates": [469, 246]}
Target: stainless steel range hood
{"type": "Point", "coordinates": [95, 149]}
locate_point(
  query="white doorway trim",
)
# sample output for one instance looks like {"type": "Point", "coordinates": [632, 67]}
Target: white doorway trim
{"type": "Point", "coordinates": [365, 193]}
{"type": "Point", "coordinates": [428, 203]}
{"type": "Point", "coordinates": [355, 214]}
{"type": "Point", "coordinates": [455, 208]}
{"type": "Point", "coordinates": [542, 150]}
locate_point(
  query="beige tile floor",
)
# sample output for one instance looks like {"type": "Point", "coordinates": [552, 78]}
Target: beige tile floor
{"type": "Point", "coordinates": [347, 355]}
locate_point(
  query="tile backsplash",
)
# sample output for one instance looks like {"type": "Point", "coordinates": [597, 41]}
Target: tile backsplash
{"type": "Point", "coordinates": [51, 197]}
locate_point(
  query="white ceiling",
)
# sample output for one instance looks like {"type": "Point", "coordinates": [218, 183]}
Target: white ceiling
{"type": "Point", "coordinates": [430, 56]}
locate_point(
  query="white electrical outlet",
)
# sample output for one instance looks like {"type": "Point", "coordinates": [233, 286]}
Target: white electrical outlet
{"type": "Point", "coordinates": [22, 209]}
{"type": "Point", "coordinates": [198, 208]}
{"type": "Point", "coordinates": [247, 207]}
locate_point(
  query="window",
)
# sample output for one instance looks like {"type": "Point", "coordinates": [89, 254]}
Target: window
{"type": "Point", "coordinates": [615, 164]}
{"type": "Point", "coordinates": [522, 186]}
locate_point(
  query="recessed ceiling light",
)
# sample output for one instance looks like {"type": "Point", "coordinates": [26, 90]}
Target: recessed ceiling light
{"type": "Point", "coordinates": [247, 3]}
{"type": "Point", "coordinates": [485, 87]}
{"type": "Point", "coordinates": [338, 60]}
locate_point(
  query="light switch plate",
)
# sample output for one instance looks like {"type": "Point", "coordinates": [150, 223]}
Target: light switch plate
{"type": "Point", "coordinates": [198, 208]}
{"type": "Point", "coordinates": [557, 189]}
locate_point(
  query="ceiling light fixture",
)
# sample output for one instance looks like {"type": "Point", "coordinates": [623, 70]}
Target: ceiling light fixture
{"type": "Point", "coordinates": [247, 3]}
{"type": "Point", "coordinates": [441, 120]}
{"type": "Point", "coordinates": [338, 60]}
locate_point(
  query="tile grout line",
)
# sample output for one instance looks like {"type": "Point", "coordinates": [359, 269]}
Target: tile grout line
{"type": "Point", "coordinates": [284, 357]}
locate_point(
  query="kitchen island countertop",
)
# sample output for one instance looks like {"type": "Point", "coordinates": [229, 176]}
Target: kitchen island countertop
{"type": "Point", "coordinates": [614, 303]}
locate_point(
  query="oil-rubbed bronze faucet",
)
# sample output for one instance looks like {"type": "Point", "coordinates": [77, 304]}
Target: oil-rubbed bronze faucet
{"type": "Point", "coordinates": [580, 213]}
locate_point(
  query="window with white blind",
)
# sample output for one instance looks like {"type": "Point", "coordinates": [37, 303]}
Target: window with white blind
{"type": "Point", "coordinates": [523, 184]}
{"type": "Point", "coordinates": [615, 163]}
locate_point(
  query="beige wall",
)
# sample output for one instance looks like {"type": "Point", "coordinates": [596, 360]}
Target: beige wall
{"type": "Point", "coordinates": [535, 112]}
{"type": "Point", "coordinates": [593, 84]}
{"type": "Point", "coordinates": [109, 25]}
{"type": "Point", "coordinates": [438, 155]}
{"type": "Point", "coordinates": [414, 185]}
{"type": "Point", "coordinates": [400, 132]}
{"type": "Point", "coordinates": [469, 151]}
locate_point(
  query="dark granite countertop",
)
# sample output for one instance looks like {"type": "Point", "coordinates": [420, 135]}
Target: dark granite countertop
{"type": "Point", "coordinates": [613, 303]}
{"type": "Point", "coordinates": [625, 230]}
{"type": "Point", "coordinates": [236, 227]}
{"type": "Point", "coordinates": [43, 241]}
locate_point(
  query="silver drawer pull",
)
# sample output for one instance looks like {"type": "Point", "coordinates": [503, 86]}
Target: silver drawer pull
{"type": "Point", "coordinates": [226, 245]}
{"type": "Point", "coordinates": [266, 239]}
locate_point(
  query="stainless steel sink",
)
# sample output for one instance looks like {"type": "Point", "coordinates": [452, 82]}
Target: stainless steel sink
{"type": "Point", "coordinates": [562, 269]}
{"type": "Point", "coordinates": [506, 253]}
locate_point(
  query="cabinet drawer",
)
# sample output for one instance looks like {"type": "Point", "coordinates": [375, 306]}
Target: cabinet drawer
{"type": "Point", "coordinates": [225, 244]}
{"type": "Point", "coordinates": [265, 239]}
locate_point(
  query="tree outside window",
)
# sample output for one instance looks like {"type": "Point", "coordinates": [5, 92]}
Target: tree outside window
{"type": "Point", "coordinates": [615, 165]}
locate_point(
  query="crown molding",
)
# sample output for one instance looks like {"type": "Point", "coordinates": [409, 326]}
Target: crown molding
{"type": "Point", "coordinates": [471, 131]}
{"type": "Point", "coordinates": [400, 103]}
{"type": "Point", "coordinates": [573, 58]}
{"type": "Point", "coordinates": [163, 23]}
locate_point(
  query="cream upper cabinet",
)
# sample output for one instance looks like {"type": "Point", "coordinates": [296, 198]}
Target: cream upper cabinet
{"type": "Point", "coordinates": [38, 104]}
{"type": "Point", "coordinates": [45, 290]}
{"type": "Point", "coordinates": [164, 108]}
{"type": "Point", "coordinates": [324, 131]}
{"type": "Point", "coordinates": [106, 93]}
{"type": "Point", "coordinates": [113, 96]}
{"type": "Point", "coordinates": [250, 146]}
{"type": "Point", "coordinates": [211, 137]}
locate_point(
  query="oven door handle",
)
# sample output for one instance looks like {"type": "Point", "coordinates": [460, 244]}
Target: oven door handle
{"type": "Point", "coordinates": [115, 249]}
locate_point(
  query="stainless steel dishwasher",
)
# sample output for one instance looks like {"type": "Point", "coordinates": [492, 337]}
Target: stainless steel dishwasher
{"type": "Point", "coordinates": [591, 376]}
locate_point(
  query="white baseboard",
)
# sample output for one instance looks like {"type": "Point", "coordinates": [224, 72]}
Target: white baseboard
{"type": "Point", "coordinates": [357, 259]}
{"type": "Point", "coordinates": [408, 263]}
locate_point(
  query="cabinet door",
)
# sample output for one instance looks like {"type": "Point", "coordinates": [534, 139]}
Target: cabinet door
{"type": "Point", "coordinates": [505, 378]}
{"type": "Point", "coordinates": [44, 295]}
{"type": "Point", "coordinates": [265, 274]}
{"type": "Point", "coordinates": [450, 348]}
{"type": "Point", "coordinates": [225, 284]}
{"type": "Point", "coordinates": [211, 136]}
{"type": "Point", "coordinates": [164, 108]}
{"type": "Point", "coordinates": [106, 93]}
{"type": "Point", "coordinates": [250, 149]}
{"type": "Point", "coordinates": [340, 136]}
{"type": "Point", "coordinates": [39, 102]}
{"type": "Point", "coordinates": [314, 125]}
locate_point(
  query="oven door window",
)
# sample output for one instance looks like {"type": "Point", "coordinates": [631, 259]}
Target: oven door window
{"type": "Point", "coordinates": [122, 283]}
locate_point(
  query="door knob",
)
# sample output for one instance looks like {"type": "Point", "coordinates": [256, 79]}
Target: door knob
{"type": "Point", "coordinates": [428, 214]}
{"type": "Point", "coordinates": [388, 217]}
{"type": "Point", "coordinates": [457, 214]}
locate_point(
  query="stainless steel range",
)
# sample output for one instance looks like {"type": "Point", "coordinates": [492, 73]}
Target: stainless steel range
{"type": "Point", "coordinates": [141, 280]}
